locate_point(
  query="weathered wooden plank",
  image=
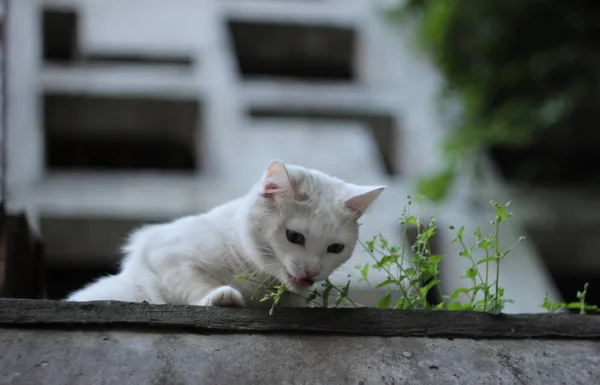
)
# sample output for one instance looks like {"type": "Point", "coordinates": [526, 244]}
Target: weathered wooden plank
{"type": "Point", "coordinates": [360, 321]}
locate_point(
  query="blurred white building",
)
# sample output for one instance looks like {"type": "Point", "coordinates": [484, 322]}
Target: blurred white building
{"type": "Point", "coordinates": [122, 112]}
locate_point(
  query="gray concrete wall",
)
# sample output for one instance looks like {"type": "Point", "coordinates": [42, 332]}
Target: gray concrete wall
{"type": "Point", "coordinates": [119, 357]}
{"type": "Point", "coordinates": [56, 342]}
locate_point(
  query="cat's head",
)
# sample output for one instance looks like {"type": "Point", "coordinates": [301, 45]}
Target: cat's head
{"type": "Point", "coordinates": [304, 223]}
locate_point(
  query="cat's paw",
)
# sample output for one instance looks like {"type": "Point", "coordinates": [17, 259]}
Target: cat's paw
{"type": "Point", "coordinates": [224, 296]}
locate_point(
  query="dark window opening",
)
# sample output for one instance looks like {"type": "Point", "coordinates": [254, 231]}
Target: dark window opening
{"type": "Point", "coordinates": [59, 35]}
{"type": "Point", "coordinates": [146, 59]}
{"type": "Point", "coordinates": [559, 155]}
{"type": "Point", "coordinates": [568, 285]}
{"type": "Point", "coordinates": [382, 127]}
{"type": "Point", "coordinates": [80, 250]}
{"type": "Point", "coordinates": [120, 133]}
{"type": "Point", "coordinates": [544, 167]}
{"type": "Point", "coordinates": [304, 52]}
{"type": "Point", "coordinates": [62, 281]}
{"type": "Point", "coordinates": [21, 258]}
{"type": "Point", "coordinates": [568, 252]}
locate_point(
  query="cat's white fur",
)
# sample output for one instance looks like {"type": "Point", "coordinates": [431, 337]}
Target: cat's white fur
{"type": "Point", "coordinates": [193, 260]}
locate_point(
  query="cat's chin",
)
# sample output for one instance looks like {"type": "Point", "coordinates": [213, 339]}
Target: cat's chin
{"type": "Point", "coordinates": [297, 285]}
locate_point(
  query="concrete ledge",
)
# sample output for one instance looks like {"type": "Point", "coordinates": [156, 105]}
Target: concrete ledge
{"type": "Point", "coordinates": [76, 343]}
{"type": "Point", "coordinates": [338, 13]}
{"type": "Point", "coordinates": [269, 94]}
{"type": "Point", "coordinates": [101, 357]}
{"type": "Point", "coordinates": [157, 81]}
{"type": "Point", "coordinates": [52, 342]}
{"type": "Point", "coordinates": [357, 321]}
{"type": "Point", "coordinates": [124, 195]}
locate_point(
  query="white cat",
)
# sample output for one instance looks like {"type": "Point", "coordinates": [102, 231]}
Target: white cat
{"type": "Point", "coordinates": [295, 226]}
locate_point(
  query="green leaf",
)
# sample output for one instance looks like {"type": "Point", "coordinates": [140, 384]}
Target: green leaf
{"type": "Point", "coordinates": [471, 273]}
{"type": "Point", "coordinates": [364, 271]}
{"type": "Point", "coordinates": [501, 213]}
{"type": "Point", "coordinates": [370, 245]}
{"type": "Point", "coordinates": [495, 307]}
{"type": "Point", "coordinates": [386, 260]}
{"type": "Point", "coordinates": [428, 272]}
{"type": "Point", "coordinates": [412, 220]}
{"type": "Point", "coordinates": [386, 283]}
{"type": "Point", "coordinates": [240, 277]}
{"type": "Point", "coordinates": [546, 303]}
{"type": "Point", "coordinates": [436, 187]}
{"type": "Point", "coordinates": [435, 259]}
{"type": "Point", "coordinates": [343, 294]}
{"type": "Point", "coordinates": [455, 306]}
{"type": "Point", "coordinates": [385, 301]}
{"type": "Point", "coordinates": [401, 303]}
{"type": "Point", "coordinates": [483, 244]}
{"type": "Point", "coordinates": [484, 260]}
{"type": "Point", "coordinates": [430, 232]}
{"type": "Point", "coordinates": [459, 291]}
{"type": "Point", "coordinates": [425, 289]}
{"type": "Point", "coordinates": [383, 243]}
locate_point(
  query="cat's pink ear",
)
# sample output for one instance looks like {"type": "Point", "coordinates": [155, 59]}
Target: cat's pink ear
{"type": "Point", "coordinates": [360, 202]}
{"type": "Point", "coordinates": [277, 181]}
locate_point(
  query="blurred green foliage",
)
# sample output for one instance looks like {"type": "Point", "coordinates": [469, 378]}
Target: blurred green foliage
{"type": "Point", "coordinates": [525, 71]}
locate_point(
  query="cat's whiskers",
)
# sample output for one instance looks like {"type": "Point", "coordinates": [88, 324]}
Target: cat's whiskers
{"type": "Point", "coordinates": [259, 286]}
{"type": "Point", "coordinates": [257, 269]}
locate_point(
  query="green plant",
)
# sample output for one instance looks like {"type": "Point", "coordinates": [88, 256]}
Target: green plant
{"type": "Point", "coordinates": [412, 271]}
{"type": "Point", "coordinates": [580, 305]}
{"type": "Point", "coordinates": [524, 73]}
{"type": "Point", "coordinates": [329, 295]}
{"type": "Point", "coordinates": [483, 284]}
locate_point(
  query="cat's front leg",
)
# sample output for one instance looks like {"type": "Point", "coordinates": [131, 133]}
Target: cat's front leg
{"type": "Point", "coordinates": [225, 296]}
{"type": "Point", "coordinates": [193, 285]}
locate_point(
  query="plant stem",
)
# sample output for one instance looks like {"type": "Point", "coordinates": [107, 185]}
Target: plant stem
{"type": "Point", "coordinates": [497, 259]}
{"type": "Point", "coordinates": [486, 287]}
{"type": "Point", "coordinates": [465, 248]}
{"type": "Point", "coordinates": [473, 264]}
{"type": "Point", "coordinates": [342, 294]}
{"type": "Point", "coordinates": [385, 269]}
{"type": "Point", "coordinates": [438, 285]}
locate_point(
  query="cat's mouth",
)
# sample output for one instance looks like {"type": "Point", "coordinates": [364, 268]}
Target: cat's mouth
{"type": "Point", "coordinates": [300, 282]}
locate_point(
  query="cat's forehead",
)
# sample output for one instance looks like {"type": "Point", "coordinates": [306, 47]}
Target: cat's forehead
{"type": "Point", "coordinates": [316, 224]}
{"type": "Point", "coordinates": [313, 185]}
{"type": "Point", "coordinates": [318, 215]}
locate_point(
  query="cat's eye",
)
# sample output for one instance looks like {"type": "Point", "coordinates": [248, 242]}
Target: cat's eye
{"type": "Point", "coordinates": [295, 237]}
{"type": "Point", "coordinates": [335, 248]}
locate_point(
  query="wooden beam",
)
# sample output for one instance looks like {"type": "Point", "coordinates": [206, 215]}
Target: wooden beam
{"type": "Point", "coordinates": [48, 314]}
